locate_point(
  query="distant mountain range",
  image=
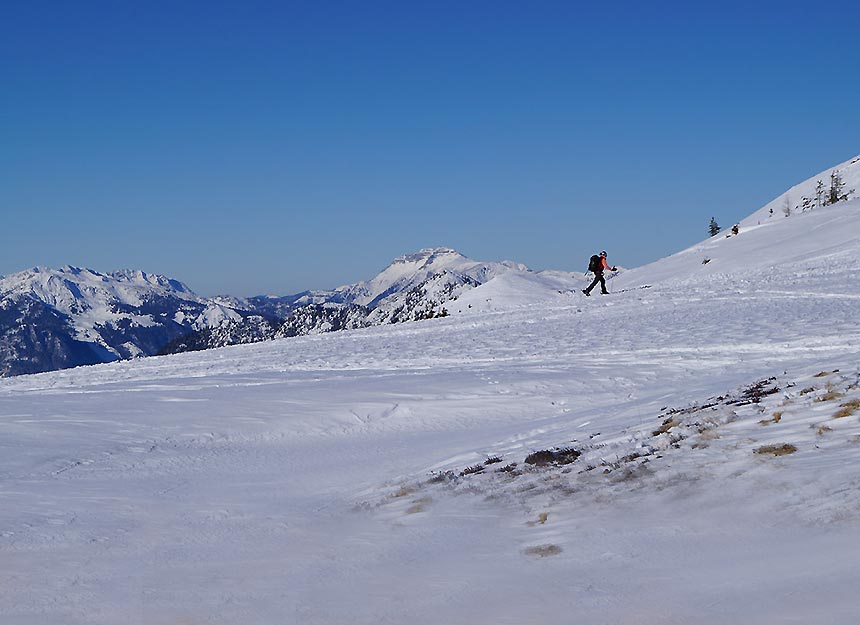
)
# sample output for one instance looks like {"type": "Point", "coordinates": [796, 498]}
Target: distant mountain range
{"type": "Point", "coordinates": [59, 318]}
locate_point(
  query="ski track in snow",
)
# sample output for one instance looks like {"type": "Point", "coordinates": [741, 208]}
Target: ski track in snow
{"type": "Point", "coordinates": [317, 480]}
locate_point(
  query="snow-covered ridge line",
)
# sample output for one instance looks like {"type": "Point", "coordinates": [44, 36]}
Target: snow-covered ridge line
{"type": "Point", "coordinates": [57, 318]}
{"type": "Point", "coordinates": [99, 317]}
{"type": "Point", "coordinates": [80, 316]}
{"type": "Point", "coordinates": [835, 184]}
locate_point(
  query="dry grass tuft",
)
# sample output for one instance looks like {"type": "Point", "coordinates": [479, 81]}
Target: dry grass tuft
{"type": "Point", "coordinates": [419, 505]}
{"type": "Point", "coordinates": [776, 418]}
{"type": "Point", "coordinates": [709, 435]}
{"type": "Point", "coordinates": [831, 395]}
{"type": "Point", "coordinates": [821, 430]}
{"type": "Point", "coordinates": [824, 374]}
{"type": "Point", "coordinates": [777, 450]}
{"type": "Point", "coordinates": [667, 425]}
{"type": "Point", "coordinates": [403, 491]}
{"type": "Point", "coordinates": [542, 517]}
{"type": "Point", "coordinates": [543, 551]}
{"type": "Point", "coordinates": [848, 409]}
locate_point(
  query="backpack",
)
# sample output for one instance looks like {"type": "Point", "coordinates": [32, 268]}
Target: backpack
{"type": "Point", "coordinates": [594, 265]}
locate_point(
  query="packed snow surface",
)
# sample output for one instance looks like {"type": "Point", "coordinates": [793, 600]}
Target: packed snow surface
{"type": "Point", "coordinates": [684, 450]}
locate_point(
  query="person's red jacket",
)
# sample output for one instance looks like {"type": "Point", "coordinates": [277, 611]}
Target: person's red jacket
{"type": "Point", "coordinates": [605, 264]}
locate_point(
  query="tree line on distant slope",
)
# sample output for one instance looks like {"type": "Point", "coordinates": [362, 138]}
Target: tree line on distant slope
{"type": "Point", "coordinates": [823, 197]}
{"type": "Point", "coordinates": [415, 304]}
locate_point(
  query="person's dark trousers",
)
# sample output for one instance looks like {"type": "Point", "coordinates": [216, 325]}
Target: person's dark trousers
{"type": "Point", "coordinates": [598, 277]}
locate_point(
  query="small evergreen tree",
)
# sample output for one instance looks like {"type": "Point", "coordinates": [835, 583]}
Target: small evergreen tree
{"type": "Point", "coordinates": [819, 194]}
{"type": "Point", "coordinates": [836, 186]}
{"type": "Point", "coordinates": [713, 228]}
{"type": "Point", "coordinates": [833, 193]}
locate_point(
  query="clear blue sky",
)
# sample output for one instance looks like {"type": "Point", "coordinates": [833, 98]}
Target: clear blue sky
{"type": "Point", "coordinates": [270, 147]}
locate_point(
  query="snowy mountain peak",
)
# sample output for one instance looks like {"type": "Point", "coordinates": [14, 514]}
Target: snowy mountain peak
{"type": "Point", "coordinates": [428, 254]}
{"type": "Point", "coordinates": [426, 260]}
{"type": "Point", "coordinates": [70, 289]}
{"type": "Point", "coordinates": [136, 276]}
{"type": "Point", "coordinates": [96, 317]}
{"type": "Point", "coordinates": [410, 270]}
{"type": "Point", "coordinates": [56, 318]}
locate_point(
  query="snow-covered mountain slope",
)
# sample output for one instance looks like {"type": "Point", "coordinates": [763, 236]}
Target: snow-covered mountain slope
{"type": "Point", "coordinates": [804, 245]}
{"type": "Point", "coordinates": [514, 290]}
{"type": "Point", "coordinates": [409, 271]}
{"type": "Point", "coordinates": [85, 317]}
{"type": "Point", "coordinates": [96, 317]}
{"type": "Point", "coordinates": [90, 295]}
{"type": "Point", "coordinates": [832, 185]}
{"type": "Point", "coordinates": [417, 286]}
{"type": "Point", "coordinates": [660, 455]}
{"type": "Point", "coordinates": [684, 453]}
{"type": "Point", "coordinates": [800, 241]}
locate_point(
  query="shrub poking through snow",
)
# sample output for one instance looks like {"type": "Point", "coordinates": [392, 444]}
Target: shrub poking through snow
{"type": "Point", "coordinates": [441, 478]}
{"type": "Point", "coordinates": [542, 517]}
{"type": "Point", "coordinates": [492, 460]}
{"type": "Point", "coordinates": [478, 468]}
{"type": "Point", "coordinates": [847, 409]}
{"type": "Point", "coordinates": [565, 455]}
{"type": "Point", "coordinates": [824, 374]}
{"type": "Point", "coordinates": [777, 450]}
{"type": "Point", "coordinates": [403, 491]}
{"type": "Point", "coordinates": [755, 393]}
{"type": "Point", "coordinates": [419, 505]}
{"type": "Point", "coordinates": [777, 417]}
{"type": "Point", "coordinates": [542, 551]}
{"type": "Point", "coordinates": [667, 425]}
{"type": "Point", "coordinates": [831, 394]}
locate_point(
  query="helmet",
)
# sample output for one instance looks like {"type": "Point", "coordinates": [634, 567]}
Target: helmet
{"type": "Point", "coordinates": [603, 253]}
